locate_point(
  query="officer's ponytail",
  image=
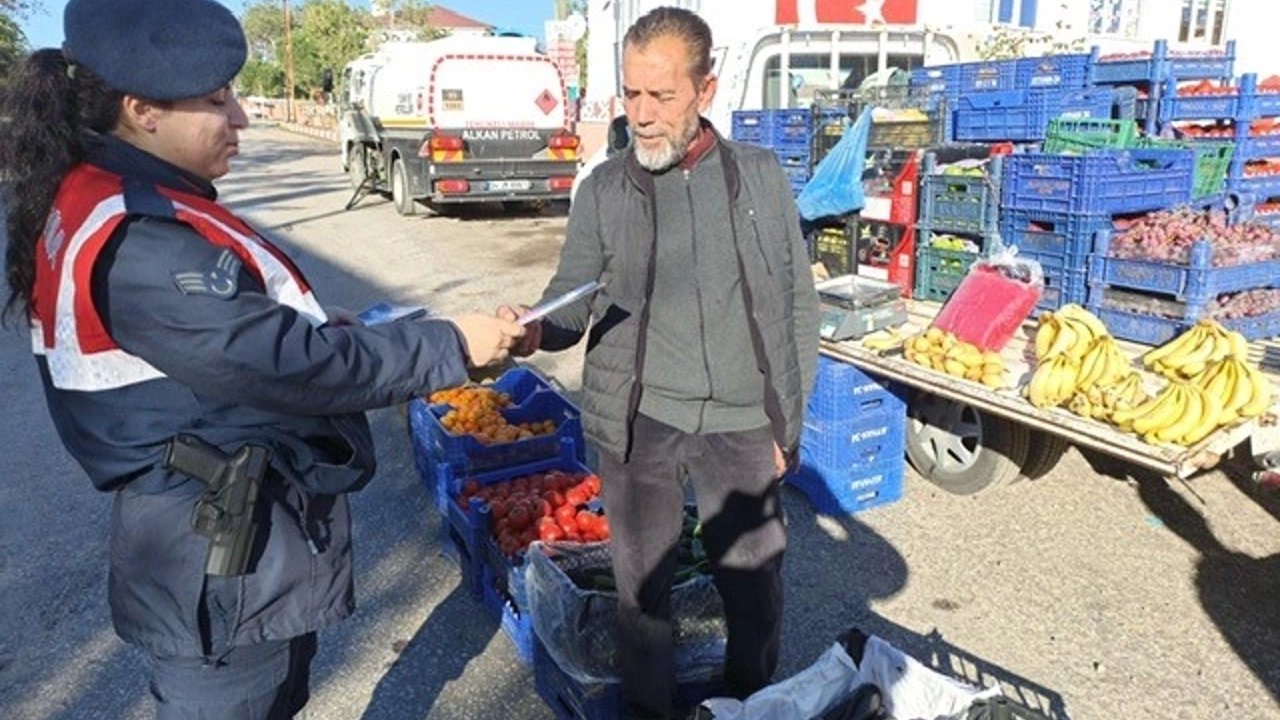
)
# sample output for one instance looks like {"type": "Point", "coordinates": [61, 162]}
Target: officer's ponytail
{"type": "Point", "coordinates": [50, 104]}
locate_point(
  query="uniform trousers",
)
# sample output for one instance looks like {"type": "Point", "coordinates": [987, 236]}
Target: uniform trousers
{"type": "Point", "coordinates": [733, 477]}
{"type": "Point", "coordinates": [266, 681]}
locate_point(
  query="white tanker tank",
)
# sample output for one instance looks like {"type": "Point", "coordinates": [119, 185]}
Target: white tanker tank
{"type": "Point", "coordinates": [459, 119]}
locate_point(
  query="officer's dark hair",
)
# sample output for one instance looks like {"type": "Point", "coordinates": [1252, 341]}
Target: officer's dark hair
{"type": "Point", "coordinates": [50, 106]}
{"type": "Point", "coordinates": [680, 23]}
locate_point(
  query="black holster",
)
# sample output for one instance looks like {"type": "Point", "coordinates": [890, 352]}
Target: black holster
{"type": "Point", "coordinates": [226, 512]}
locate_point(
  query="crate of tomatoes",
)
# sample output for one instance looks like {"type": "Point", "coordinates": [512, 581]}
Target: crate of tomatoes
{"type": "Point", "coordinates": [501, 512]}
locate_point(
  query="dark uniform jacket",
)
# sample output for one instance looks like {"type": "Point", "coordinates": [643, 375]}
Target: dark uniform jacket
{"type": "Point", "coordinates": [612, 236]}
{"type": "Point", "coordinates": [232, 365]}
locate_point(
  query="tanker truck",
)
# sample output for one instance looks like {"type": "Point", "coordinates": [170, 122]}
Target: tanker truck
{"type": "Point", "coordinates": [457, 120]}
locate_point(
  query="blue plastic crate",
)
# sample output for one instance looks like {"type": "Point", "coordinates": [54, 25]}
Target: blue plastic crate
{"type": "Point", "coordinates": [1259, 186]}
{"type": "Point", "coordinates": [863, 441]}
{"type": "Point", "coordinates": [838, 491]}
{"type": "Point", "coordinates": [571, 700]}
{"type": "Point", "coordinates": [766, 127]}
{"type": "Point", "coordinates": [1054, 233]}
{"type": "Point", "coordinates": [1256, 147]}
{"type": "Point", "coordinates": [1200, 107]}
{"type": "Point", "coordinates": [1099, 182]}
{"type": "Point", "coordinates": [1155, 331]}
{"type": "Point", "coordinates": [1023, 115]}
{"type": "Point", "coordinates": [960, 203]}
{"type": "Point", "coordinates": [469, 454]}
{"type": "Point", "coordinates": [515, 623]}
{"type": "Point", "coordinates": [1160, 66]}
{"type": "Point", "coordinates": [1196, 282]}
{"type": "Point", "coordinates": [1065, 71]}
{"type": "Point", "coordinates": [843, 391]}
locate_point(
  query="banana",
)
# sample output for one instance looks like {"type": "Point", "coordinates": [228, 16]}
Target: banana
{"type": "Point", "coordinates": [1038, 388]}
{"type": "Point", "coordinates": [1078, 312]}
{"type": "Point", "coordinates": [1211, 419]}
{"type": "Point", "coordinates": [1239, 345]}
{"type": "Point", "coordinates": [1261, 399]}
{"type": "Point", "coordinates": [1189, 419]}
{"type": "Point", "coordinates": [1185, 341]}
{"type": "Point", "coordinates": [1137, 410]}
{"type": "Point", "coordinates": [1063, 340]}
{"type": "Point", "coordinates": [1080, 405]}
{"type": "Point", "coordinates": [1167, 408]}
{"type": "Point", "coordinates": [1240, 390]}
{"type": "Point", "coordinates": [1216, 381]}
{"type": "Point", "coordinates": [1045, 334]}
{"type": "Point", "coordinates": [883, 340]}
{"type": "Point", "coordinates": [1093, 365]}
{"type": "Point", "coordinates": [1084, 337]}
{"type": "Point", "coordinates": [1193, 361]}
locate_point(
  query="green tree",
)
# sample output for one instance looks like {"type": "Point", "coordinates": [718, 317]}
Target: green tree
{"type": "Point", "coordinates": [415, 14]}
{"type": "Point", "coordinates": [263, 24]}
{"type": "Point", "coordinates": [13, 43]}
{"type": "Point", "coordinates": [261, 78]}
{"type": "Point", "coordinates": [327, 34]}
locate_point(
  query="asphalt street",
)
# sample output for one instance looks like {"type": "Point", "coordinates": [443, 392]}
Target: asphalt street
{"type": "Point", "coordinates": [1094, 593]}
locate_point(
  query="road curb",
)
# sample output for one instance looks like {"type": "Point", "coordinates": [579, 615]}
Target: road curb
{"type": "Point", "coordinates": [313, 132]}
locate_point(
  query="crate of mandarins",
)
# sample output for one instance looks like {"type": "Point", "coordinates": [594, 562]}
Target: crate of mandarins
{"type": "Point", "coordinates": [516, 419]}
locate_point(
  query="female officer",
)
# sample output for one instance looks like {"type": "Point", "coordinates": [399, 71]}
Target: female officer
{"type": "Point", "coordinates": [171, 337]}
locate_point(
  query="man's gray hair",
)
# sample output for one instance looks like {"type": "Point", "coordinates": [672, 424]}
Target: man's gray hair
{"type": "Point", "coordinates": [680, 23]}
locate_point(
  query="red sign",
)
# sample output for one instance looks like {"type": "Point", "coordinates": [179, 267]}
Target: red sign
{"type": "Point", "coordinates": [857, 12]}
{"type": "Point", "coordinates": [546, 102]}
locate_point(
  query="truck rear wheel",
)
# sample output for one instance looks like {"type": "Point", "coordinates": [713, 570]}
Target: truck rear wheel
{"type": "Point", "coordinates": [356, 166]}
{"type": "Point", "coordinates": [1043, 453]}
{"type": "Point", "coordinates": [962, 449]}
{"type": "Point", "coordinates": [405, 205]}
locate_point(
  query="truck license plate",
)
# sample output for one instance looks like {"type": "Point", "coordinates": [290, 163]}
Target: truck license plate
{"type": "Point", "coordinates": [507, 185]}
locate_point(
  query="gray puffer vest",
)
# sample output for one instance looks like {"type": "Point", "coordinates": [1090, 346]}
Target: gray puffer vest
{"type": "Point", "coordinates": [778, 291]}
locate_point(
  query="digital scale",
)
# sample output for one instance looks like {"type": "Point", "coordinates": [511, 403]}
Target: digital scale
{"type": "Point", "coordinates": [853, 306]}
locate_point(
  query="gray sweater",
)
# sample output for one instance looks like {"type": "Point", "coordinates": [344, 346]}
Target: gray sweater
{"type": "Point", "coordinates": [700, 372]}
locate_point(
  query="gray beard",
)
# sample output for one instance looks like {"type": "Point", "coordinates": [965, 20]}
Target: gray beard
{"type": "Point", "coordinates": [665, 157]}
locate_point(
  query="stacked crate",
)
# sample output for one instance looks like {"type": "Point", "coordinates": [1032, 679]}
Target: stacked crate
{"type": "Point", "coordinates": [1014, 100]}
{"type": "Point", "coordinates": [959, 216]}
{"type": "Point", "coordinates": [786, 132]}
{"type": "Point", "coordinates": [852, 445]}
{"type": "Point", "coordinates": [1153, 301]}
{"type": "Point", "coordinates": [446, 461]}
{"type": "Point", "coordinates": [1148, 74]}
{"type": "Point", "coordinates": [1053, 205]}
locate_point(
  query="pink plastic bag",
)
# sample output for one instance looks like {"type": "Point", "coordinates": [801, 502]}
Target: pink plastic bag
{"type": "Point", "coordinates": [993, 300]}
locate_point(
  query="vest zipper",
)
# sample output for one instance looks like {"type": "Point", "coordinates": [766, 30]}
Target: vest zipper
{"type": "Point", "coordinates": [702, 319]}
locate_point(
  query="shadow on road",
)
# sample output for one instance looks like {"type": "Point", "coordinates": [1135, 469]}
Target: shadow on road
{"type": "Point", "coordinates": [1237, 591]}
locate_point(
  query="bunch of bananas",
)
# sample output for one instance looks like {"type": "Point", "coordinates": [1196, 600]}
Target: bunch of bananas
{"type": "Point", "coordinates": [1243, 391]}
{"type": "Point", "coordinates": [943, 351]}
{"type": "Point", "coordinates": [1070, 330]}
{"type": "Point", "coordinates": [1183, 414]}
{"type": "Point", "coordinates": [1189, 354]}
{"type": "Point", "coordinates": [1101, 401]}
{"type": "Point", "coordinates": [1075, 353]}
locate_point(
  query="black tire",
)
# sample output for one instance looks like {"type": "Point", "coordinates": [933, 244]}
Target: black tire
{"type": "Point", "coordinates": [356, 166]}
{"type": "Point", "coordinates": [962, 449]}
{"type": "Point", "coordinates": [405, 205]}
{"type": "Point", "coordinates": [1043, 453]}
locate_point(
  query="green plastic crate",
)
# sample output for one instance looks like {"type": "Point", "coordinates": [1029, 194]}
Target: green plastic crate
{"type": "Point", "coordinates": [1212, 161]}
{"type": "Point", "coordinates": [1075, 136]}
{"type": "Point", "coordinates": [939, 271]}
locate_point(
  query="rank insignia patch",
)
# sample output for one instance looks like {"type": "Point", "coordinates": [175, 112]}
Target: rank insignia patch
{"type": "Point", "coordinates": [219, 281]}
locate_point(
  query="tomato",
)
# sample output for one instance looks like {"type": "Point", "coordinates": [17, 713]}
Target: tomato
{"type": "Point", "coordinates": [555, 497]}
{"type": "Point", "coordinates": [569, 527]}
{"type": "Point", "coordinates": [586, 520]}
{"type": "Point", "coordinates": [518, 517]}
{"type": "Point", "coordinates": [498, 509]}
{"type": "Point", "coordinates": [573, 536]}
{"type": "Point", "coordinates": [575, 496]}
{"type": "Point", "coordinates": [550, 532]}
{"type": "Point", "coordinates": [470, 487]}
{"type": "Point", "coordinates": [564, 514]}
{"type": "Point", "coordinates": [593, 482]}
{"type": "Point", "coordinates": [545, 509]}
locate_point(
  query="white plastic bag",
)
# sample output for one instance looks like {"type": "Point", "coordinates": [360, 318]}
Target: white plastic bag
{"type": "Point", "coordinates": [910, 690]}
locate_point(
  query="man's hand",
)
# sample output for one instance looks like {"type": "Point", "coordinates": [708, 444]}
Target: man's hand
{"type": "Point", "coordinates": [341, 316]}
{"type": "Point", "coordinates": [779, 462]}
{"type": "Point", "coordinates": [487, 339]}
{"type": "Point", "coordinates": [532, 338]}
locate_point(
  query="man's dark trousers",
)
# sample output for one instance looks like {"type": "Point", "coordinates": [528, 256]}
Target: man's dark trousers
{"type": "Point", "coordinates": [737, 494]}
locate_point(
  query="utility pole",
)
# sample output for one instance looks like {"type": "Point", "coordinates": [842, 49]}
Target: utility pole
{"type": "Point", "coordinates": [288, 64]}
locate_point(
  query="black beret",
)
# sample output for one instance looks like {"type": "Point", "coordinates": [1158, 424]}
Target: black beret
{"type": "Point", "coordinates": [156, 49]}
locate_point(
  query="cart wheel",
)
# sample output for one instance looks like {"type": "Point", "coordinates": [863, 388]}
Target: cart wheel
{"type": "Point", "coordinates": [1044, 450]}
{"type": "Point", "coordinates": [405, 205]}
{"type": "Point", "coordinates": [961, 449]}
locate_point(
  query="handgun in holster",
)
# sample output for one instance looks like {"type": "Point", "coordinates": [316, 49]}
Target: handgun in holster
{"type": "Point", "coordinates": [225, 513]}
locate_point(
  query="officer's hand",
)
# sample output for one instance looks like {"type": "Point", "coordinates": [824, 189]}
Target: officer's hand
{"type": "Point", "coordinates": [532, 339]}
{"type": "Point", "coordinates": [487, 339]}
{"type": "Point", "coordinates": [341, 316]}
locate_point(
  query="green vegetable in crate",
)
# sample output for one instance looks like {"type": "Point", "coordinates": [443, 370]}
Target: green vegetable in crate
{"type": "Point", "coordinates": [691, 560]}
